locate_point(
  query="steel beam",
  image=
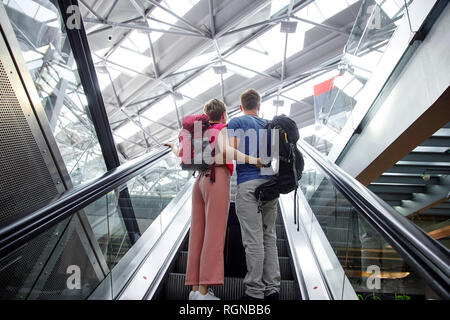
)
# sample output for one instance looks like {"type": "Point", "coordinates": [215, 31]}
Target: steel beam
{"type": "Point", "coordinates": [323, 26]}
{"type": "Point", "coordinates": [142, 28]}
{"type": "Point", "coordinates": [251, 70]}
{"type": "Point", "coordinates": [211, 19]}
{"type": "Point", "coordinates": [189, 24]}
{"type": "Point", "coordinates": [91, 10]}
{"type": "Point", "coordinates": [111, 9]}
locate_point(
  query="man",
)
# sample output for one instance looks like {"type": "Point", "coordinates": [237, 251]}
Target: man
{"type": "Point", "coordinates": [258, 230]}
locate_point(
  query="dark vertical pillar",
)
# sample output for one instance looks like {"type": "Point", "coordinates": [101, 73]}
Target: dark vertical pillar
{"type": "Point", "coordinates": [88, 77]}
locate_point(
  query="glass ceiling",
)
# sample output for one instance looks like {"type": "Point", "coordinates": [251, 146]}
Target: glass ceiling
{"type": "Point", "coordinates": [132, 58]}
{"type": "Point", "coordinates": [129, 61]}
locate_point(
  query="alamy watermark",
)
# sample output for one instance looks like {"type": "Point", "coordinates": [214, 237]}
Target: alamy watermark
{"type": "Point", "coordinates": [374, 280]}
{"type": "Point", "coordinates": [73, 282]}
{"type": "Point", "coordinates": [375, 13]}
{"type": "Point", "coordinates": [74, 18]}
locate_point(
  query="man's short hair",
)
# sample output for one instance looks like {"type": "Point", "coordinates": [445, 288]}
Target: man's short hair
{"type": "Point", "coordinates": [214, 109]}
{"type": "Point", "coordinates": [250, 99]}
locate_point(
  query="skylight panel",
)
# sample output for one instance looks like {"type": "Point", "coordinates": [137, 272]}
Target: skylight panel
{"type": "Point", "coordinates": [277, 5]}
{"type": "Point", "coordinates": [202, 83]}
{"type": "Point", "coordinates": [44, 14]}
{"type": "Point", "coordinates": [296, 41]}
{"type": "Point", "coordinates": [389, 7]}
{"type": "Point", "coordinates": [198, 61]}
{"type": "Point", "coordinates": [240, 71]}
{"type": "Point", "coordinates": [128, 130]}
{"type": "Point", "coordinates": [268, 110]}
{"type": "Point", "coordinates": [160, 109]}
{"type": "Point", "coordinates": [251, 59]}
{"type": "Point", "coordinates": [273, 42]}
{"type": "Point", "coordinates": [137, 40]}
{"type": "Point", "coordinates": [130, 59]}
{"type": "Point", "coordinates": [103, 77]}
{"type": "Point", "coordinates": [321, 10]}
{"type": "Point", "coordinates": [312, 13]}
{"type": "Point", "coordinates": [163, 15]}
{"type": "Point", "coordinates": [329, 8]}
{"type": "Point", "coordinates": [350, 2]}
{"type": "Point", "coordinates": [27, 7]}
{"type": "Point", "coordinates": [181, 7]}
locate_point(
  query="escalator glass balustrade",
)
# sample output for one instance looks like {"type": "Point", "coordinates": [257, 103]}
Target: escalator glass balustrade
{"type": "Point", "coordinates": [367, 262]}
{"type": "Point", "coordinates": [94, 251]}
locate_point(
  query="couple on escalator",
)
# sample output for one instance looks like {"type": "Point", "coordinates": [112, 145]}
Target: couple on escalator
{"type": "Point", "coordinates": [210, 205]}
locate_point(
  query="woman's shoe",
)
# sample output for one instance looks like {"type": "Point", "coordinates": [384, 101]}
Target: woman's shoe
{"type": "Point", "coordinates": [208, 296]}
{"type": "Point", "coordinates": [193, 295]}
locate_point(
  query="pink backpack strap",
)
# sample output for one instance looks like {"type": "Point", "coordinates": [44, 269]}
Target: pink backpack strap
{"type": "Point", "coordinates": [220, 126]}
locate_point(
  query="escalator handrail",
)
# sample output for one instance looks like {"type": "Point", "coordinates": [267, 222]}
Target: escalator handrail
{"type": "Point", "coordinates": [68, 203]}
{"type": "Point", "coordinates": [425, 255]}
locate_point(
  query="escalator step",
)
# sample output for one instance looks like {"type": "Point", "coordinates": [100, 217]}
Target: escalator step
{"type": "Point", "coordinates": [285, 266]}
{"type": "Point", "coordinates": [283, 249]}
{"type": "Point", "coordinates": [281, 233]}
{"type": "Point", "coordinates": [232, 289]}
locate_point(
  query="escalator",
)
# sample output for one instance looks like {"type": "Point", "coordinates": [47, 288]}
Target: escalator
{"type": "Point", "coordinates": [373, 251]}
{"type": "Point", "coordinates": [346, 243]}
{"type": "Point", "coordinates": [235, 269]}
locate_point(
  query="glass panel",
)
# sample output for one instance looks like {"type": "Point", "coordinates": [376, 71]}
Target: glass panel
{"type": "Point", "coordinates": [90, 254]}
{"type": "Point", "coordinates": [48, 56]}
{"type": "Point", "coordinates": [338, 94]}
{"type": "Point", "coordinates": [367, 262]}
{"type": "Point", "coordinates": [138, 209]}
{"type": "Point", "coordinates": [60, 263]}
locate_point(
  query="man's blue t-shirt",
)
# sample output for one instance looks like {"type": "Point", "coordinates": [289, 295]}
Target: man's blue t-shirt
{"type": "Point", "coordinates": [247, 129]}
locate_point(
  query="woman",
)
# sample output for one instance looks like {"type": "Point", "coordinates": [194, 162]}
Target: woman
{"type": "Point", "coordinates": [210, 205]}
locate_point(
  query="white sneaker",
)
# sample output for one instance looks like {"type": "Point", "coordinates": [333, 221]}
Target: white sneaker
{"type": "Point", "coordinates": [208, 296]}
{"type": "Point", "coordinates": [193, 295]}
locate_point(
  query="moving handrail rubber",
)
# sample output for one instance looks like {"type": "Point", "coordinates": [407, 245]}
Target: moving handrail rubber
{"type": "Point", "coordinates": [424, 254]}
{"type": "Point", "coordinates": [68, 203]}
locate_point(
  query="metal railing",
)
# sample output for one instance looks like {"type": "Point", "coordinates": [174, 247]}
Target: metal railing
{"type": "Point", "coordinates": [425, 255]}
{"type": "Point", "coordinates": [19, 232]}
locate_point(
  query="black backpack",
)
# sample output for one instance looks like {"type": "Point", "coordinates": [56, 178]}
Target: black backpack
{"type": "Point", "coordinates": [291, 163]}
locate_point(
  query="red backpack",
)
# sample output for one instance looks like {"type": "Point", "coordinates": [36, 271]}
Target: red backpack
{"type": "Point", "coordinates": [197, 139]}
